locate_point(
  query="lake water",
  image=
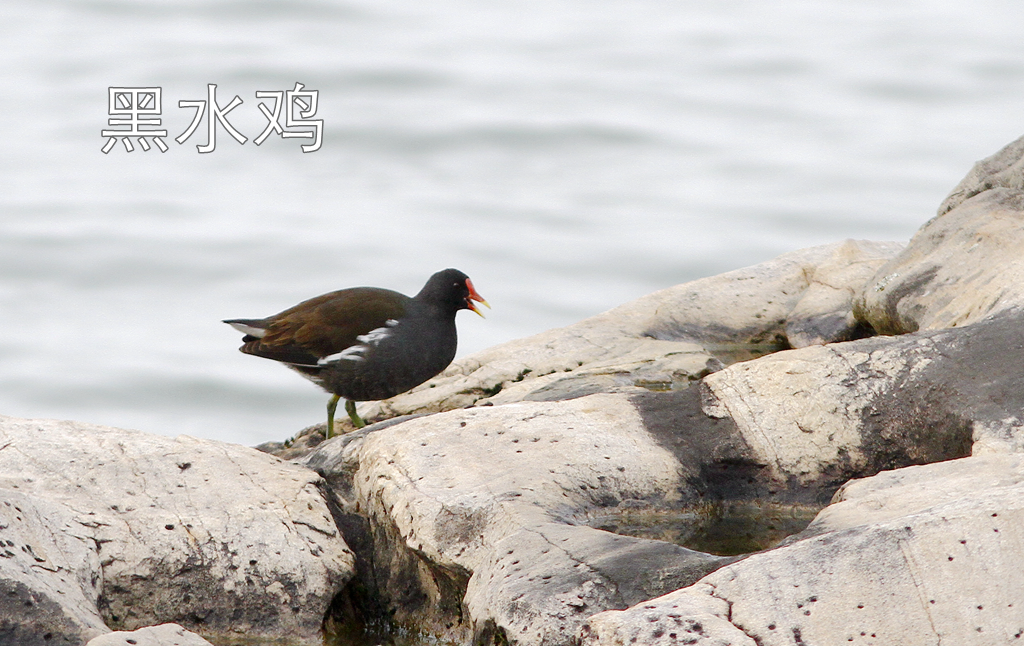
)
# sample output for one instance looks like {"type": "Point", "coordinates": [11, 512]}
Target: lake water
{"type": "Point", "coordinates": [568, 155]}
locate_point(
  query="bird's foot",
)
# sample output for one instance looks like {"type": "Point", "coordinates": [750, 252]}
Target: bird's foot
{"type": "Point", "coordinates": [350, 408]}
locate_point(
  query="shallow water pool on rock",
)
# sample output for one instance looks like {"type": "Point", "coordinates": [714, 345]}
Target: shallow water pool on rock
{"type": "Point", "coordinates": [357, 636]}
{"type": "Point", "coordinates": [728, 528]}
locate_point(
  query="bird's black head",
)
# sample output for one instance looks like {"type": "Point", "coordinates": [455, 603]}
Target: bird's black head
{"type": "Point", "coordinates": [452, 290]}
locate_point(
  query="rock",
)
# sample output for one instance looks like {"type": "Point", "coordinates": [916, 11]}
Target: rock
{"type": "Point", "coordinates": [298, 445]}
{"type": "Point", "coordinates": [1005, 169]}
{"type": "Point", "coordinates": [220, 538]}
{"type": "Point", "coordinates": [824, 313]}
{"type": "Point", "coordinates": [162, 635]}
{"type": "Point", "coordinates": [901, 493]}
{"type": "Point", "coordinates": [487, 508]}
{"type": "Point", "coordinates": [481, 500]}
{"type": "Point", "coordinates": [826, 414]}
{"type": "Point", "coordinates": [922, 555]}
{"type": "Point", "coordinates": [49, 572]}
{"type": "Point", "coordinates": [481, 521]}
{"type": "Point", "coordinates": [753, 305]}
{"type": "Point", "coordinates": [959, 268]}
{"type": "Point", "coordinates": [692, 616]}
{"type": "Point", "coordinates": [488, 523]}
{"type": "Point", "coordinates": [649, 365]}
{"type": "Point", "coordinates": [667, 339]}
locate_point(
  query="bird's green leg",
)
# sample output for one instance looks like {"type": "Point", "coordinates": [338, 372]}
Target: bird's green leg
{"type": "Point", "coordinates": [332, 405]}
{"type": "Point", "coordinates": [350, 408]}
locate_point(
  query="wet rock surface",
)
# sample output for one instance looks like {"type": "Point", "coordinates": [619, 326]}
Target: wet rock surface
{"type": "Point", "coordinates": [921, 555]}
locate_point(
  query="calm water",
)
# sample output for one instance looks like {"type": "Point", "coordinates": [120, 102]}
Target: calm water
{"type": "Point", "coordinates": [568, 155]}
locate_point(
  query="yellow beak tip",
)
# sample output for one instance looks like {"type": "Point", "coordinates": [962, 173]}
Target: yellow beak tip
{"type": "Point", "coordinates": [473, 307]}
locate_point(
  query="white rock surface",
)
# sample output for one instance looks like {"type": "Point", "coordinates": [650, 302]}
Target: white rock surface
{"type": "Point", "coordinates": [755, 304]}
{"type": "Point", "coordinates": [804, 411]}
{"type": "Point", "coordinates": [151, 529]}
{"type": "Point", "coordinates": [526, 459]}
{"type": "Point", "coordinates": [49, 572]}
{"type": "Point", "coordinates": [694, 616]}
{"type": "Point", "coordinates": [899, 493]}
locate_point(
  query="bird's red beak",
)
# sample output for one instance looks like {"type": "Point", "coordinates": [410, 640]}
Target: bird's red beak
{"type": "Point", "coordinates": [474, 296]}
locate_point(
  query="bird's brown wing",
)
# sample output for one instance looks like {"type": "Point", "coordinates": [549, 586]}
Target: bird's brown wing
{"type": "Point", "coordinates": [327, 324]}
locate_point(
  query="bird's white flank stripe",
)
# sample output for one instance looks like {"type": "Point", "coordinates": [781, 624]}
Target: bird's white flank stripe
{"type": "Point", "coordinates": [355, 352]}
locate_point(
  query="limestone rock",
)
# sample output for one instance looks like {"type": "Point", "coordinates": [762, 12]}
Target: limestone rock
{"type": "Point", "coordinates": [960, 267]}
{"type": "Point", "coordinates": [900, 493]}
{"type": "Point", "coordinates": [492, 503]}
{"type": "Point", "coordinates": [824, 313]}
{"type": "Point", "coordinates": [162, 635]}
{"type": "Point", "coordinates": [541, 582]}
{"type": "Point", "coordinates": [918, 556]}
{"type": "Point", "coordinates": [217, 537]}
{"type": "Point", "coordinates": [848, 409]}
{"type": "Point", "coordinates": [298, 445]}
{"type": "Point", "coordinates": [667, 339]}
{"type": "Point", "coordinates": [694, 616]}
{"type": "Point", "coordinates": [753, 305]}
{"type": "Point", "coordinates": [49, 572]}
{"type": "Point", "coordinates": [1004, 169]}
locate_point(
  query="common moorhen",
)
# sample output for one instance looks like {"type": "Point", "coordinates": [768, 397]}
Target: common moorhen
{"type": "Point", "coordinates": [365, 343]}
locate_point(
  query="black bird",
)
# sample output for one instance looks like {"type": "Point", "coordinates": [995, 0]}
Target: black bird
{"type": "Point", "coordinates": [365, 343]}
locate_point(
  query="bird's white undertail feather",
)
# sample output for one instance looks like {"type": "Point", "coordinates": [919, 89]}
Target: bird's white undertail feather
{"type": "Point", "coordinates": [257, 332]}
